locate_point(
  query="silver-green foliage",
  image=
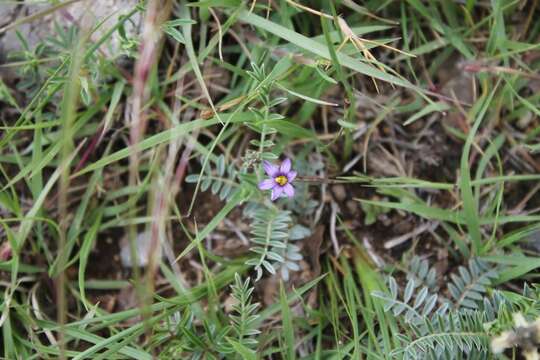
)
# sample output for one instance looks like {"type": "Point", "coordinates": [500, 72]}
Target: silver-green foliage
{"type": "Point", "coordinates": [434, 327]}
{"type": "Point", "coordinates": [244, 313]}
{"type": "Point", "coordinates": [470, 283]}
{"type": "Point", "coordinates": [464, 333]}
{"type": "Point", "coordinates": [304, 203]}
{"type": "Point", "coordinates": [453, 335]}
{"type": "Point", "coordinates": [420, 271]}
{"type": "Point", "coordinates": [413, 305]}
{"type": "Point", "coordinates": [219, 177]}
{"type": "Point", "coordinates": [262, 84]}
{"type": "Point", "coordinates": [272, 233]}
{"type": "Point", "coordinates": [291, 253]}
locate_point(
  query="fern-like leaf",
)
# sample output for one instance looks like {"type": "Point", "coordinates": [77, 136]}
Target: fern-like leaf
{"type": "Point", "coordinates": [415, 306]}
{"type": "Point", "coordinates": [454, 335]}
{"type": "Point", "coordinates": [269, 229]}
{"type": "Point", "coordinates": [271, 236]}
{"type": "Point", "coordinates": [245, 313]}
{"type": "Point", "coordinates": [422, 274]}
{"type": "Point", "coordinates": [291, 253]}
{"type": "Point", "coordinates": [469, 284]}
{"type": "Point", "coordinates": [219, 177]}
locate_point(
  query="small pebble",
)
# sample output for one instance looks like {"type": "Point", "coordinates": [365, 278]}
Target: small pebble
{"type": "Point", "coordinates": [352, 206]}
{"type": "Point", "coordinates": [142, 242]}
{"type": "Point", "coordinates": [339, 192]}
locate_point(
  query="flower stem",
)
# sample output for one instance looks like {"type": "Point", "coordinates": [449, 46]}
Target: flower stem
{"type": "Point", "coordinates": [322, 180]}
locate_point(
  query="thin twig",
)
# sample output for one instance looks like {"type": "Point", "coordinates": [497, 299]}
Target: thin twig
{"type": "Point", "coordinates": [333, 218]}
{"type": "Point", "coordinates": [320, 180]}
{"type": "Point", "coordinates": [220, 33]}
{"type": "Point", "coordinates": [430, 226]}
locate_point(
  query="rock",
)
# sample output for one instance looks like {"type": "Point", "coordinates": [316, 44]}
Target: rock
{"type": "Point", "coordinates": [352, 206]}
{"type": "Point", "coordinates": [456, 81]}
{"type": "Point", "coordinates": [5, 251]}
{"type": "Point", "coordinates": [339, 192]}
{"type": "Point", "coordinates": [532, 242]}
{"type": "Point", "coordinates": [91, 12]}
{"type": "Point", "coordinates": [143, 244]}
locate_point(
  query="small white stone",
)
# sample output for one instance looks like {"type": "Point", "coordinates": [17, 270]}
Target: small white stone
{"type": "Point", "coordinates": [85, 14]}
{"type": "Point", "coordinates": [143, 245]}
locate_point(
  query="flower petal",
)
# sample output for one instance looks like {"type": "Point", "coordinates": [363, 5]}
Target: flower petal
{"type": "Point", "coordinates": [285, 166]}
{"type": "Point", "coordinates": [270, 169]}
{"type": "Point", "coordinates": [291, 175]}
{"type": "Point", "coordinates": [267, 184]}
{"type": "Point", "coordinates": [288, 190]}
{"type": "Point", "coordinates": [276, 192]}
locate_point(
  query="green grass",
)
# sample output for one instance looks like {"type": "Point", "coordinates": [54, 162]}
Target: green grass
{"type": "Point", "coordinates": [164, 138]}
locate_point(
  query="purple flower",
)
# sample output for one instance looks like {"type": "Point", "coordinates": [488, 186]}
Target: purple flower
{"type": "Point", "coordinates": [280, 180]}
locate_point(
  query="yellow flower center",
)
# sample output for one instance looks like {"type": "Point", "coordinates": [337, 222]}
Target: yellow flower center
{"type": "Point", "coordinates": [281, 180]}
